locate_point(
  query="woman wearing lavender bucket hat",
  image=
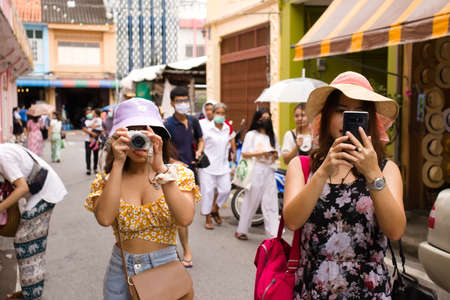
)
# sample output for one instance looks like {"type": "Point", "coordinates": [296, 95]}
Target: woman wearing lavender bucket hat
{"type": "Point", "coordinates": [141, 195]}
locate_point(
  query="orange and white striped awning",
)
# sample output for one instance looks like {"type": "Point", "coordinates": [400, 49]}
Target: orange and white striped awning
{"type": "Point", "coordinates": [357, 25]}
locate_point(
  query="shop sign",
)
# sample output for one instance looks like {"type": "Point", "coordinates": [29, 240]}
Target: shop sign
{"type": "Point", "coordinates": [420, 107]}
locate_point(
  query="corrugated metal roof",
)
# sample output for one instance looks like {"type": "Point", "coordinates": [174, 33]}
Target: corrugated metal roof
{"type": "Point", "coordinates": [84, 12]}
{"type": "Point", "coordinates": [29, 10]}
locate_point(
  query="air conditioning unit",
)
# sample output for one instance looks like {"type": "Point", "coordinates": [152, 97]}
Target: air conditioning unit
{"type": "Point", "coordinates": [321, 65]}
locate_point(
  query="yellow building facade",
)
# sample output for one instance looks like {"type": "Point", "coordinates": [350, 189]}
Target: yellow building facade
{"type": "Point", "coordinates": [243, 48]}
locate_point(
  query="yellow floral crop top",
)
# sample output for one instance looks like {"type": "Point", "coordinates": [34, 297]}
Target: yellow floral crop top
{"type": "Point", "coordinates": [152, 221]}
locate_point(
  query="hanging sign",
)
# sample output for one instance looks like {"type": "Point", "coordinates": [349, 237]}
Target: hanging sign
{"type": "Point", "coordinates": [420, 107]}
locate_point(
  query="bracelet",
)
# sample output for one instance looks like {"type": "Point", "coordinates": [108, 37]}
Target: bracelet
{"type": "Point", "coordinates": [169, 175]}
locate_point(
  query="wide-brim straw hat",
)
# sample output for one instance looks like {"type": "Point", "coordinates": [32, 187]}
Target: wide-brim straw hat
{"type": "Point", "coordinates": [355, 86]}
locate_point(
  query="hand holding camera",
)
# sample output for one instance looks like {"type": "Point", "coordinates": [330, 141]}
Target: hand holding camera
{"type": "Point", "coordinates": [138, 140]}
{"type": "Point", "coordinates": [120, 145]}
{"type": "Point", "coordinates": [155, 144]}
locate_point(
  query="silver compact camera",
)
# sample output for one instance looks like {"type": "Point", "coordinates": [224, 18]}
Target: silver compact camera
{"type": "Point", "coordinates": [139, 141]}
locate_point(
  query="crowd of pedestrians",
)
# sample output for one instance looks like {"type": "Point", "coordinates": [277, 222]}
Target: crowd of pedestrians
{"type": "Point", "coordinates": [155, 171]}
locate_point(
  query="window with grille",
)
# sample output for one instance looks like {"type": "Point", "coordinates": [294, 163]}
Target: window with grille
{"type": "Point", "coordinates": [189, 52]}
{"type": "Point", "coordinates": [200, 50]}
{"type": "Point", "coordinates": [79, 53]}
{"type": "Point", "coordinates": [35, 37]}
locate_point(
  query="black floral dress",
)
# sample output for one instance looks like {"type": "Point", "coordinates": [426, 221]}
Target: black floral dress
{"type": "Point", "coordinates": [343, 247]}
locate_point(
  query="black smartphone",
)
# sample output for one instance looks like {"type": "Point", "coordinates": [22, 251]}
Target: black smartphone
{"type": "Point", "coordinates": [353, 120]}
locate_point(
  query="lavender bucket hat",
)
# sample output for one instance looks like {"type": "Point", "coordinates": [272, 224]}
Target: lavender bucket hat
{"type": "Point", "coordinates": [139, 112]}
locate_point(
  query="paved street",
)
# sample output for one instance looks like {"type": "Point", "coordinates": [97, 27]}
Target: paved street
{"type": "Point", "coordinates": [79, 248]}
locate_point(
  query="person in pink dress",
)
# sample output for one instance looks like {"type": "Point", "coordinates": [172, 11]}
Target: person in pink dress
{"type": "Point", "coordinates": [35, 141]}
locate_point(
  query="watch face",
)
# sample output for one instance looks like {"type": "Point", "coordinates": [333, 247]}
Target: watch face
{"type": "Point", "coordinates": [379, 183]}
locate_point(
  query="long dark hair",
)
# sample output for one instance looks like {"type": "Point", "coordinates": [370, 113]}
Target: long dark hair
{"type": "Point", "coordinates": [255, 125]}
{"type": "Point", "coordinates": [169, 153]}
{"type": "Point", "coordinates": [326, 140]}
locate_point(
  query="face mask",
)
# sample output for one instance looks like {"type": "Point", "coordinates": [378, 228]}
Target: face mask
{"type": "Point", "coordinates": [182, 108]}
{"type": "Point", "coordinates": [219, 119]}
{"type": "Point", "coordinates": [89, 116]}
{"type": "Point", "coordinates": [266, 123]}
{"type": "Point", "coordinates": [110, 114]}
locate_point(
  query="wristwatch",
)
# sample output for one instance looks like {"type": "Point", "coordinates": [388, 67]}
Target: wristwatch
{"type": "Point", "coordinates": [378, 184]}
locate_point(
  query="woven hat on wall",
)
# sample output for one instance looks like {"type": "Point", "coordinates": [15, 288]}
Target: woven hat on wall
{"type": "Point", "coordinates": [434, 122]}
{"type": "Point", "coordinates": [424, 76]}
{"type": "Point", "coordinates": [432, 174]}
{"type": "Point", "coordinates": [442, 75]}
{"type": "Point", "coordinates": [426, 51]}
{"type": "Point", "coordinates": [446, 117]}
{"type": "Point", "coordinates": [442, 49]}
{"type": "Point", "coordinates": [435, 98]}
{"type": "Point", "coordinates": [432, 147]}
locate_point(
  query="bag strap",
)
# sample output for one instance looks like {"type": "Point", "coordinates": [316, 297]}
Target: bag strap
{"type": "Point", "coordinates": [402, 255]}
{"type": "Point", "coordinates": [6, 188]}
{"type": "Point", "coordinates": [124, 262]}
{"type": "Point", "coordinates": [394, 259]}
{"type": "Point", "coordinates": [293, 134]}
{"type": "Point", "coordinates": [305, 162]}
{"type": "Point", "coordinates": [294, 255]}
{"type": "Point", "coordinates": [31, 157]}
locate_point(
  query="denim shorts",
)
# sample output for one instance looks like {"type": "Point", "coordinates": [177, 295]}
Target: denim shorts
{"type": "Point", "coordinates": [115, 286]}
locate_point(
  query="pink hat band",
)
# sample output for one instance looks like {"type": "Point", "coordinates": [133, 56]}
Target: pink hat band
{"type": "Point", "coordinates": [352, 78]}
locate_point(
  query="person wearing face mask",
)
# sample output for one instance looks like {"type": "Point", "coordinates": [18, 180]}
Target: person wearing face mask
{"type": "Point", "coordinates": [207, 116]}
{"type": "Point", "coordinates": [217, 175]}
{"type": "Point", "coordinates": [90, 134]}
{"type": "Point", "coordinates": [260, 142]}
{"type": "Point", "coordinates": [185, 131]}
{"type": "Point", "coordinates": [55, 131]}
{"type": "Point", "coordinates": [108, 122]}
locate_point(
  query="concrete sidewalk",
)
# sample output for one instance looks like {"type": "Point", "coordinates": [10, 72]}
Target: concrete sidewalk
{"type": "Point", "coordinates": [8, 267]}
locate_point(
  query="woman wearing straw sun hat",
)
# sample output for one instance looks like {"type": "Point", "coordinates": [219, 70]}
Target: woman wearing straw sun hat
{"type": "Point", "coordinates": [352, 202]}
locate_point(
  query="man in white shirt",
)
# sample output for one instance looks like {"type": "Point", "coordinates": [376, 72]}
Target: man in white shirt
{"type": "Point", "coordinates": [216, 136]}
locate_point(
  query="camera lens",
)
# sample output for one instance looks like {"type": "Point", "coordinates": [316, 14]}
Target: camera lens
{"type": "Point", "coordinates": [138, 142]}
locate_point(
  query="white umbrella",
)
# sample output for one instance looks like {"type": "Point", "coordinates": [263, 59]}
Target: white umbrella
{"type": "Point", "coordinates": [294, 90]}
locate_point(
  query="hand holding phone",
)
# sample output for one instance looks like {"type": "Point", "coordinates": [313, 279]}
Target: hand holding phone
{"type": "Point", "coordinates": [353, 120]}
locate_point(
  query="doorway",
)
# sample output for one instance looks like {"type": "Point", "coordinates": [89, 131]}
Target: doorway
{"type": "Point", "coordinates": [77, 99]}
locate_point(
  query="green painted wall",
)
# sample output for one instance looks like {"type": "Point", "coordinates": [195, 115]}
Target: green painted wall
{"type": "Point", "coordinates": [292, 29]}
{"type": "Point", "coordinates": [391, 88]}
{"type": "Point", "coordinates": [391, 84]}
{"type": "Point", "coordinates": [296, 20]}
